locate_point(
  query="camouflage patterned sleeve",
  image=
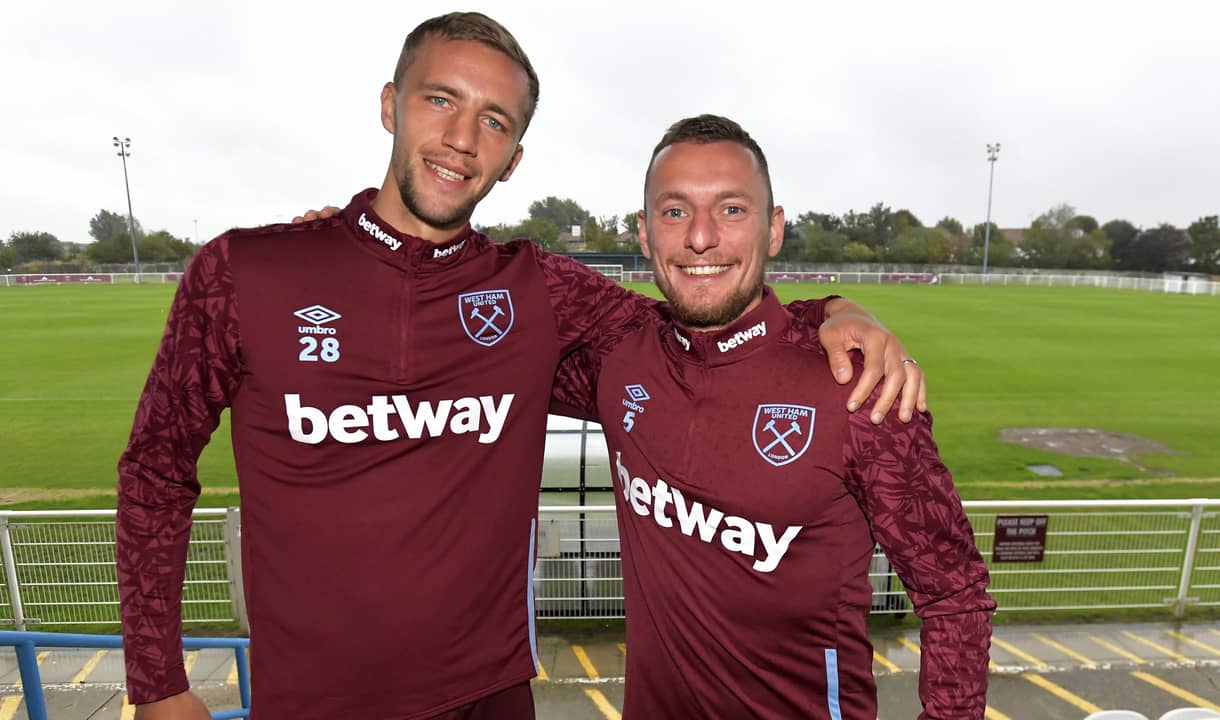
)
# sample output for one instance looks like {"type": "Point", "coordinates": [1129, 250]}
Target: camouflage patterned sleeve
{"type": "Point", "coordinates": [592, 314]}
{"type": "Point", "coordinates": [895, 472]}
{"type": "Point", "coordinates": [194, 375]}
{"type": "Point", "coordinates": [574, 392]}
{"type": "Point", "coordinates": [810, 312]}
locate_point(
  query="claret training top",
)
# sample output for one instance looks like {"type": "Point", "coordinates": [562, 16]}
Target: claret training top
{"type": "Point", "coordinates": [389, 399]}
{"type": "Point", "coordinates": [746, 497]}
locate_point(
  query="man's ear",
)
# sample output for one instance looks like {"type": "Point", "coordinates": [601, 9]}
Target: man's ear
{"type": "Point", "coordinates": [389, 107]}
{"type": "Point", "coordinates": [508, 171]}
{"type": "Point", "coordinates": [776, 239]}
{"type": "Point", "coordinates": [644, 249]}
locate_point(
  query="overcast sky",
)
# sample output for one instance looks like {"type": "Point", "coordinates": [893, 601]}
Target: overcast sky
{"type": "Point", "coordinates": [245, 113]}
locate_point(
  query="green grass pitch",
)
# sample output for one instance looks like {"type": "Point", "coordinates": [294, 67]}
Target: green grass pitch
{"type": "Point", "coordinates": [75, 359]}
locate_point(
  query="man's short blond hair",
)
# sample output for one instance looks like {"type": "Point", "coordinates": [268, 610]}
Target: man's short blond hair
{"type": "Point", "coordinates": [475, 27]}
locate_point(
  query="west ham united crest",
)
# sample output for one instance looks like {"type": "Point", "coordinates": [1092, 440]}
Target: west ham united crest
{"type": "Point", "coordinates": [486, 315]}
{"type": "Point", "coordinates": [782, 432]}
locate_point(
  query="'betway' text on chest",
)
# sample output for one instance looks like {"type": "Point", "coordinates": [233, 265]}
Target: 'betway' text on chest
{"type": "Point", "coordinates": [484, 415]}
{"type": "Point", "coordinates": [703, 522]}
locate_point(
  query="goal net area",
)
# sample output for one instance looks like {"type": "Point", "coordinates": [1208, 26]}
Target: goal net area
{"type": "Point", "coordinates": [614, 272]}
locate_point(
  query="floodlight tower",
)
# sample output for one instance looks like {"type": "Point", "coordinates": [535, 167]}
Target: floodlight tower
{"type": "Point", "coordinates": [993, 153]}
{"type": "Point", "coordinates": [124, 147]}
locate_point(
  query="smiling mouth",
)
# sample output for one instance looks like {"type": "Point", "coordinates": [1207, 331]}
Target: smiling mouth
{"type": "Point", "coordinates": [445, 173]}
{"type": "Point", "coordinates": [704, 270]}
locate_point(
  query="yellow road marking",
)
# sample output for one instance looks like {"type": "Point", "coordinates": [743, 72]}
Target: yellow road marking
{"type": "Point", "coordinates": [1196, 643]}
{"type": "Point", "coordinates": [1176, 656]}
{"type": "Point", "coordinates": [189, 662]}
{"type": "Point", "coordinates": [1017, 651]}
{"type": "Point", "coordinates": [542, 676]}
{"type": "Point", "coordinates": [583, 658]}
{"type": "Point", "coordinates": [1063, 649]}
{"type": "Point", "coordinates": [232, 678]}
{"type": "Point", "coordinates": [129, 710]}
{"type": "Point", "coordinates": [1175, 690]}
{"type": "Point", "coordinates": [908, 645]}
{"type": "Point", "coordinates": [602, 703]}
{"type": "Point", "coordinates": [1116, 649]}
{"type": "Point", "coordinates": [1061, 693]}
{"type": "Point", "coordinates": [885, 663]}
{"type": "Point", "coordinates": [89, 666]}
{"type": "Point", "coordinates": [8, 707]}
{"type": "Point", "coordinates": [41, 656]}
{"type": "Point", "coordinates": [622, 647]}
{"type": "Point", "coordinates": [992, 714]}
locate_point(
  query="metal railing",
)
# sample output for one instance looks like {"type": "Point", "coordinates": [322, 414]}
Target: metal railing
{"type": "Point", "coordinates": [1098, 555]}
{"type": "Point", "coordinates": [97, 278]}
{"type": "Point", "coordinates": [27, 643]}
{"type": "Point", "coordinates": [1170, 284]}
{"type": "Point", "coordinates": [1108, 554]}
{"type": "Point", "coordinates": [59, 568]}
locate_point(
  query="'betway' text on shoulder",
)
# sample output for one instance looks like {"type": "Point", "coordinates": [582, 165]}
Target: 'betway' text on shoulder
{"type": "Point", "coordinates": [741, 337]}
{"type": "Point", "coordinates": [390, 417]}
{"type": "Point", "coordinates": [375, 230]}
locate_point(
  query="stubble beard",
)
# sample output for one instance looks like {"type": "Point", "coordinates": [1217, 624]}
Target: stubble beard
{"type": "Point", "coordinates": [446, 221]}
{"type": "Point", "coordinates": [699, 316]}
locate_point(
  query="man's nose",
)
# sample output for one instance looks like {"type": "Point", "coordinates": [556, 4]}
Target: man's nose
{"type": "Point", "coordinates": [462, 133]}
{"type": "Point", "coordinates": [703, 235]}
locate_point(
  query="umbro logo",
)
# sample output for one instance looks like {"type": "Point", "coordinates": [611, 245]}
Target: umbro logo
{"type": "Point", "coordinates": [637, 393]}
{"type": "Point", "coordinates": [317, 316]}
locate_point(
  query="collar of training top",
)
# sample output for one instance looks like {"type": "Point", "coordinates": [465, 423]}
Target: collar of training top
{"type": "Point", "coordinates": [376, 233]}
{"type": "Point", "coordinates": [750, 333]}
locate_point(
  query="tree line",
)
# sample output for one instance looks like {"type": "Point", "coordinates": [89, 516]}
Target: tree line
{"type": "Point", "coordinates": [550, 222]}
{"type": "Point", "coordinates": [34, 251]}
{"type": "Point", "coordinates": [1060, 238]}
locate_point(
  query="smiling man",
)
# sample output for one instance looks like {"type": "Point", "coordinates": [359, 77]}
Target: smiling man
{"type": "Point", "coordinates": [749, 498]}
{"type": "Point", "coordinates": [388, 372]}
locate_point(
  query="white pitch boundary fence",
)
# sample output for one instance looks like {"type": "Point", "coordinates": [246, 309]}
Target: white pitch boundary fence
{"type": "Point", "coordinates": [1188, 285]}
{"type": "Point", "coordinates": [59, 568]}
{"type": "Point", "coordinates": [1170, 284]}
{"type": "Point", "coordinates": [33, 279]}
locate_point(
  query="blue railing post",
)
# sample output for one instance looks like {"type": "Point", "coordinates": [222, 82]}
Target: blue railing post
{"type": "Point", "coordinates": [243, 676]}
{"type": "Point", "coordinates": [31, 682]}
{"type": "Point", "coordinates": [27, 643]}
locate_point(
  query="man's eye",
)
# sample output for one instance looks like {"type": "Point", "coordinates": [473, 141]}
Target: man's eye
{"type": "Point", "coordinates": [672, 212]}
{"type": "Point", "coordinates": [735, 210]}
{"type": "Point", "coordinates": [438, 101]}
{"type": "Point", "coordinates": [495, 124]}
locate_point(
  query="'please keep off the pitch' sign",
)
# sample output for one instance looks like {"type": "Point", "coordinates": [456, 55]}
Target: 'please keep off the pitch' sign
{"type": "Point", "coordinates": [1019, 538]}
